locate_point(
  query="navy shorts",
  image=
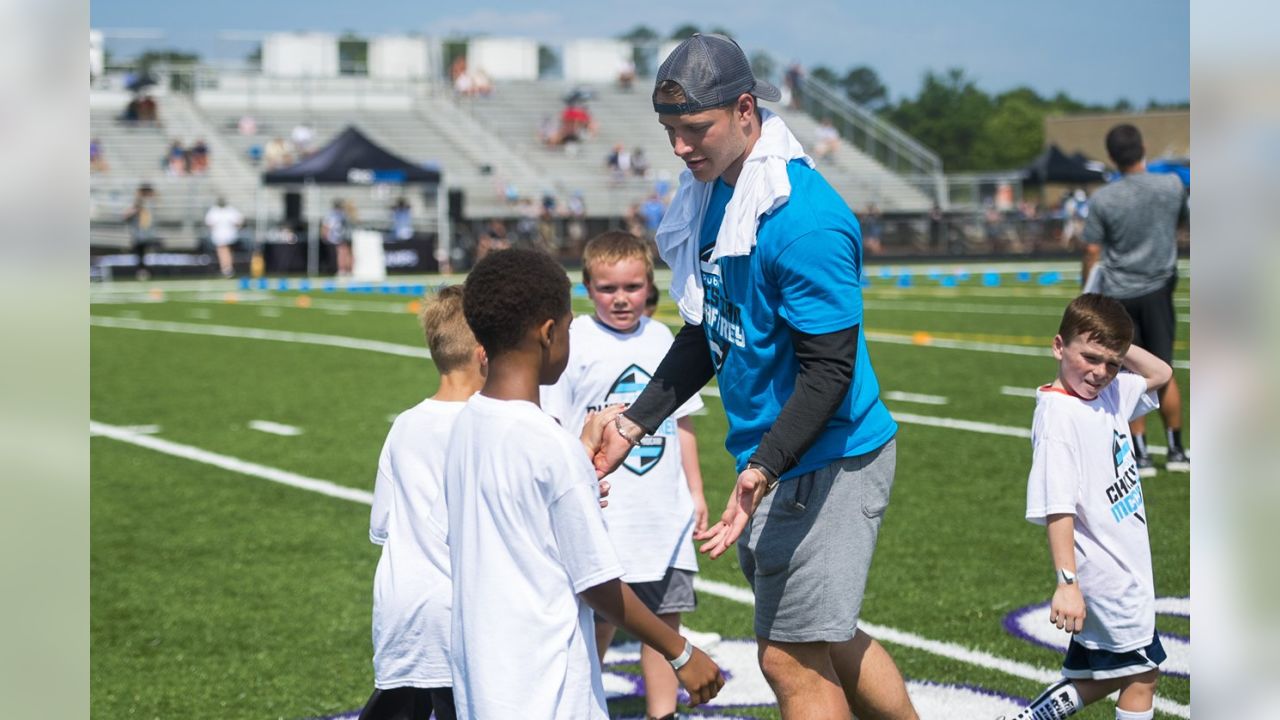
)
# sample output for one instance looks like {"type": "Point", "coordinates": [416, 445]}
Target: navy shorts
{"type": "Point", "coordinates": [1155, 323]}
{"type": "Point", "coordinates": [1081, 662]}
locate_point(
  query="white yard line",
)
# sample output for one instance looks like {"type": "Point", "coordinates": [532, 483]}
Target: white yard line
{"type": "Point", "coordinates": [974, 308]}
{"type": "Point", "coordinates": [339, 341]}
{"type": "Point", "coordinates": [712, 587]}
{"type": "Point", "coordinates": [275, 428]}
{"type": "Point", "coordinates": [917, 398]}
{"type": "Point", "coordinates": [232, 464]}
{"type": "Point", "coordinates": [135, 429]}
{"type": "Point", "coordinates": [1003, 348]}
{"type": "Point", "coordinates": [410, 351]}
{"type": "Point", "coordinates": [1017, 391]}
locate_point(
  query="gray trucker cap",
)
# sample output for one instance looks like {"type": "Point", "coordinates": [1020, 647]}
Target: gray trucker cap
{"type": "Point", "coordinates": [713, 71]}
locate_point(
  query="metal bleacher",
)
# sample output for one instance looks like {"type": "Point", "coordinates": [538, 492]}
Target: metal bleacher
{"type": "Point", "coordinates": [483, 146]}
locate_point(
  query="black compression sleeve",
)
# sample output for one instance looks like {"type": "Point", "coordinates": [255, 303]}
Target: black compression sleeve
{"type": "Point", "coordinates": [826, 373]}
{"type": "Point", "coordinates": [684, 371]}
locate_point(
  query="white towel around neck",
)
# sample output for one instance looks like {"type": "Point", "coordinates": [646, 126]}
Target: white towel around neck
{"type": "Point", "coordinates": [762, 187]}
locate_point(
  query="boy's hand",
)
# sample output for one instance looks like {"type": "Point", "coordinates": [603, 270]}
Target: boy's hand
{"type": "Point", "coordinates": [612, 450]}
{"type": "Point", "coordinates": [1067, 608]}
{"type": "Point", "coordinates": [747, 494]}
{"type": "Point", "coordinates": [594, 430]}
{"type": "Point", "coordinates": [700, 513]}
{"type": "Point", "coordinates": [701, 677]}
{"type": "Point", "coordinates": [595, 426]}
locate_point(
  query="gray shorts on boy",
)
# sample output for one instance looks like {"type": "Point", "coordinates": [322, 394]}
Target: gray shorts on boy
{"type": "Point", "coordinates": [807, 549]}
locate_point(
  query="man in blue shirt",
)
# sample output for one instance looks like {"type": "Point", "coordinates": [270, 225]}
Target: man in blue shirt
{"type": "Point", "coordinates": [766, 261]}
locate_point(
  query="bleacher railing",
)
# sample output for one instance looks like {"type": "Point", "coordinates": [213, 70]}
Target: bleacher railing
{"type": "Point", "coordinates": [880, 140]}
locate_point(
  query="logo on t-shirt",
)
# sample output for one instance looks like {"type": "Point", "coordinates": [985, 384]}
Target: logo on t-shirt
{"type": "Point", "coordinates": [721, 319]}
{"type": "Point", "coordinates": [645, 456]}
{"type": "Point", "coordinates": [1125, 494]}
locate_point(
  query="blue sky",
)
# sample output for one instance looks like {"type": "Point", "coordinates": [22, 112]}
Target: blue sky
{"type": "Point", "coordinates": [1095, 50]}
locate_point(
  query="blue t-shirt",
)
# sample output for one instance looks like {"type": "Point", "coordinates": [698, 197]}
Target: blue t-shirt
{"type": "Point", "coordinates": [804, 273]}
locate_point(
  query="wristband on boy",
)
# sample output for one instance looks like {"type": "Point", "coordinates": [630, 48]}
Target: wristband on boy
{"type": "Point", "coordinates": [684, 656]}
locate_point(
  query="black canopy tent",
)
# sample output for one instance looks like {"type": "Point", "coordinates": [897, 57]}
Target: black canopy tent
{"type": "Point", "coordinates": [1055, 166]}
{"type": "Point", "coordinates": [353, 159]}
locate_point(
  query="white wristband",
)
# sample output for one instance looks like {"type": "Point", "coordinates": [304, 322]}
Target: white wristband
{"type": "Point", "coordinates": [680, 661]}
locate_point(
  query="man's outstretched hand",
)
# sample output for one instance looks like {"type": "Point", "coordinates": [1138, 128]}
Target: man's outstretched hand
{"type": "Point", "coordinates": [750, 490]}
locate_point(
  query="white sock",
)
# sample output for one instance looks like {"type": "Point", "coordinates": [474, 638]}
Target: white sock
{"type": "Point", "coordinates": [1060, 700]}
{"type": "Point", "coordinates": [1143, 715]}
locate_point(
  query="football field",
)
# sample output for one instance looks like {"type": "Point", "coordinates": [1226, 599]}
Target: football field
{"type": "Point", "coordinates": [236, 431]}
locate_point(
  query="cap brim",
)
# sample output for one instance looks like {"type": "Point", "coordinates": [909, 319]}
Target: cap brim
{"type": "Point", "coordinates": [766, 91]}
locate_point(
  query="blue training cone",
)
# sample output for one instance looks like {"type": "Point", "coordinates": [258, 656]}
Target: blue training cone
{"type": "Point", "coordinates": [904, 280]}
{"type": "Point", "coordinates": [1024, 276]}
{"type": "Point", "coordinates": [244, 283]}
{"type": "Point", "coordinates": [1050, 278]}
{"type": "Point", "coordinates": [949, 281]}
{"type": "Point", "coordinates": [283, 284]}
{"type": "Point", "coordinates": [990, 279]}
{"type": "Point", "coordinates": [304, 285]}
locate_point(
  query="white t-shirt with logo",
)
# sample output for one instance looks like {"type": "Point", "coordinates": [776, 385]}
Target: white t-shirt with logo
{"type": "Point", "coordinates": [224, 224]}
{"type": "Point", "coordinates": [1083, 465]}
{"type": "Point", "coordinates": [412, 592]}
{"type": "Point", "coordinates": [650, 512]}
{"type": "Point", "coordinates": [525, 537]}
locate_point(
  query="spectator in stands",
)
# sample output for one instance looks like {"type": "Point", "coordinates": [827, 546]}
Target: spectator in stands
{"type": "Point", "coordinates": [140, 218]}
{"type": "Point", "coordinates": [276, 154]}
{"type": "Point", "coordinates": [224, 222]}
{"type": "Point", "coordinates": [633, 221]}
{"type": "Point", "coordinates": [247, 125]}
{"type": "Point", "coordinates": [652, 211]}
{"type": "Point", "coordinates": [147, 111]}
{"type": "Point", "coordinates": [792, 85]}
{"type": "Point", "coordinates": [872, 227]}
{"type": "Point", "coordinates": [335, 230]}
{"type": "Point", "coordinates": [576, 124]}
{"type": "Point", "coordinates": [527, 222]}
{"type": "Point", "coordinates": [619, 162]}
{"type": "Point", "coordinates": [97, 162]}
{"type": "Point", "coordinates": [547, 131]}
{"type": "Point", "coordinates": [175, 160]}
{"type": "Point", "coordinates": [402, 220]}
{"type": "Point", "coordinates": [302, 137]}
{"type": "Point", "coordinates": [626, 74]}
{"type": "Point", "coordinates": [826, 140]}
{"type": "Point", "coordinates": [576, 230]}
{"type": "Point", "coordinates": [482, 84]}
{"type": "Point", "coordinates": [199, 157]}
{"type": "Point", "coordinates": [493, 238]}
{"type": "Point", "coordinates": [131, 112]}
{"type": "Point", "coordinates": [639, 163]}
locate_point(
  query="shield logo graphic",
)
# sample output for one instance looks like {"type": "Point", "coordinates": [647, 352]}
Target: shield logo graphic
{"type": "Point", "coordinates": [630, 383]}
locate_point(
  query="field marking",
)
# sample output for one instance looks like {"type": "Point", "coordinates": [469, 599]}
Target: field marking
{"type": "Point", "coordinates": [275, 428]}
{"type": "Point", "coordinates": [917, 398]}
{"type": "Point", "coordinates": [232, 464]}
{"type": "Point", "coordinates": [1003, 348]}
{"type": "Point", "coordinates": [269, 311]}
{"type": "Point", "coordinates": [712, 587]}
{"type": "Point", "coordinates": [973, 308]}
{"type": "Point", "coordinates": [1017, 391]}
{"type": "Point", "coordinates": [133, 323]}
{"type": "Point", "coordinates": [350, 343]}
{"type": "Point", "coordinates": [138, 429]}
{"type": "Point", "coordinates": [339, 341]}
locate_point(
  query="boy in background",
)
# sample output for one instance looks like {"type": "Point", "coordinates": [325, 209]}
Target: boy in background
{"type": "Point", "coordinates": [656, 500]}
{"type": "Point", "coordinates": [1084, 487]}
{"type": "Point", "coordinates": [412, 592]}
{"type": "Point", "coordinates": [530, 555]}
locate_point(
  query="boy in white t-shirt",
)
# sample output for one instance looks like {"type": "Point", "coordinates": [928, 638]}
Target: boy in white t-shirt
{"type": "Point", "coordinates": [530, 555]}
{"type": "Point", "coordinates": [224, 223]}
{"type": "Point", "coordinates": [1084, 487]}
{"type": "Point", "coordinates": [412, 592]}
{"type": "Point", "coordinates": [656, 499]}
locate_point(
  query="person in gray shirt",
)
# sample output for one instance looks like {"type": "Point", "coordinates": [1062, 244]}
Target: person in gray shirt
{"type": "Point", "coordinates": [1131, 254]}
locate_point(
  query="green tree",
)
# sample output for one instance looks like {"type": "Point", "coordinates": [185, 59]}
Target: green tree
{"type": "Point", "coordinates": [948, 115]}
{"type": "Point", "coordinates": [177, 62]}
{"type": "Point", "coordinates": [684, 32]}
{"type": "Point", "coordinates": [762, 64]}
{"type": "Point", "coordinates": [1012, 135]}
{"type": "Point", "coordinates": [825, 75]}
{"type": "Point", "coordinates": [548, 60]}
{"type": "Point", "coordinates": [643, 40]}
{"type": "Point", "coordinates": [862, 85]}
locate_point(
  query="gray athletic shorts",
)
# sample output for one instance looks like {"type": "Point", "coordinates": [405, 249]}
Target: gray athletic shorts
{"type": "Point", "coordinates": [672, 594]}
{"type": "Point", "coordinates": [807, 550]}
